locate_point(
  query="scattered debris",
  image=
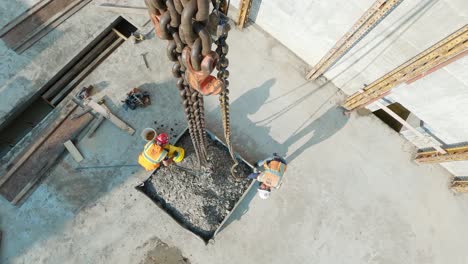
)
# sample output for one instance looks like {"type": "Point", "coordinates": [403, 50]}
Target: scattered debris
{"type": "Point", "coordinates": [74, 152]}
{"type": "Point", "coordinates": [136, 98]}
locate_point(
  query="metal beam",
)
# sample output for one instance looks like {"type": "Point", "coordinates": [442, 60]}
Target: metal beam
{"type": "Point", "coordinates": [441, 52]}
{"type": "Point", "coordinates": [371, 18]}
{"type": "Point", "coordinates": [453, 154]}
{"type": "Point", "coordinates": [244, 11]}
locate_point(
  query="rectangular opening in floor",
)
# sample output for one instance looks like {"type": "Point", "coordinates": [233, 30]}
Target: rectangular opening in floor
{"type": "Point", "coordinates": [399, 109]}
{"type": "Point", "coordinates": [53, 92]}
{"type": "Point", "coordinates": [201, 200]}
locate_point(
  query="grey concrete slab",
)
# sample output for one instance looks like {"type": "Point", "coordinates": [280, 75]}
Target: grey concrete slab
{"type": "Point", "coordinates": [351, 193]}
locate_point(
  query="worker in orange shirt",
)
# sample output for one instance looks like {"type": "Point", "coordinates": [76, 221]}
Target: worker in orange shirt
{"type": "Point", "coordinates": [159, 150]}
{"type": "Point", "coordinates": [271, 176]}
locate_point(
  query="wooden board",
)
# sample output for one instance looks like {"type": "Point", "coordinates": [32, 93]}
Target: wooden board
{"type": "Point", "coordinates": [74, 152]}
{"type": "Point", "coordinates": [64, 112]}
{"type": "Point", "coordinates": [50, 25]}
{"type": "Point", "coordinates": [244, 11]}
{"type": "Point", "coordinates": [106, 113]}
{"type": "Point", "coordinates": [371, 18]}
{"type": "Point", "coordinates": [453, 154]}
{"type": "Point", "coordinates": [32, 22]}
{"type": "Point", "coordinates": [460, 186]}
{"type": "Point", "coordinates": [13, 23]}
{"type": "Point", "coordinates": [28, 174]}
{"type": "Point", "coordinates": [439, 53]}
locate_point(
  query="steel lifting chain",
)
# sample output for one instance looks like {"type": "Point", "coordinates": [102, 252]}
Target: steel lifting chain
{"type": "Point", "coordinates": [185, 24]}
{"type": "Point", "coordinates": [223, 62]}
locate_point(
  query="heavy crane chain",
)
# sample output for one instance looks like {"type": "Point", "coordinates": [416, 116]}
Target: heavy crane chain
{"type": "Point", "coordinates": [184, 24]}
{"type": "Point", "coordinates": [222, 50]}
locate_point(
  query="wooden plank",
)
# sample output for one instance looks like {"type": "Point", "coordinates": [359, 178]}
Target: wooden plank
{"type": "Point", "coordinates": [35, 22]}
{"type": "Point", "coordinates": [94, 126]}
{"type": "Point", "coordinates": [119, 34]}
{"type": "Point", "coordinates": [75, 70]}
{"type": "Point", "coordinates": [371, 18]}
{"type": "Point", "coordinates": [460, 186]}
{"type": "Point", "coordinates": [440, 66]}
{"type": "Point", "coordinates": [453, 154]}
{"type": "Point", "coordinates": [244, 11]}
{"type": "Point", "coordinates": [444, 50]}
{"type": "Point", "coordinates": [74, 152]}
{"type": "Point", "coordinates": [17, 187]}
{"type": "Point", "coordinates": [124, 9]}
{"type": "Point", "coordinates": [50, 25]}
{"type": "Point", "coordinates": [106, 113]}
{"type": "Point", "coordinates": [16, 164]}
{"type": "Point", "coordinates": [13, 23]}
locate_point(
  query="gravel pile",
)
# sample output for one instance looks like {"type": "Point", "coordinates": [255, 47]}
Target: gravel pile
{"type": "Point", "coordinates": [201, 202]}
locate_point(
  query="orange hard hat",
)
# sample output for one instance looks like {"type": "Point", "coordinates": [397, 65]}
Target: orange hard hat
{"type": "Point", "coordinates": [162, 139]}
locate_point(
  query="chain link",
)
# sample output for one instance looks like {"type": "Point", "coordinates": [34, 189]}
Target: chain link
{"type": "Point", "coordinates": [185, 24]}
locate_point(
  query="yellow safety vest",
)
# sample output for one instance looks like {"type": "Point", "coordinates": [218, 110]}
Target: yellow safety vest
{"type": "Point", "coordinates": [152, 156]}
{"type": "Point", "coordinates": [273, 173]}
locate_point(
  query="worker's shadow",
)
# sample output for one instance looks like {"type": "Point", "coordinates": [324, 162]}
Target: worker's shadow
{"type": "Point", "coordinates": [254, 141]}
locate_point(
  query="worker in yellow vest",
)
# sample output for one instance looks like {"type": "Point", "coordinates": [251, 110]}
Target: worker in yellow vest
{"type": "Point", "coordinates": [271, 176]}
{"type": "Point", "coordinates": [159, 150]}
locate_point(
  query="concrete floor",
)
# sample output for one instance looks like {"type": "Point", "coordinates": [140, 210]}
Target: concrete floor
{"type": "Point", "coordinates": [351, 193]}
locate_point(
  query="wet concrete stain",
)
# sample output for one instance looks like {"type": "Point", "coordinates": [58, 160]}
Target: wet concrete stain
{"type": "Point", "coordinates": [162, 253]}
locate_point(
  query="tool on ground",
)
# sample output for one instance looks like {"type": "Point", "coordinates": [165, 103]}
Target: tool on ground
{"type": "Point", "coordinates": [136, 98]}
{"type": "Point", "coordinates": [143, 55]}
{"type": "Point", "coordinates": [85, 92]}
{"type": "Point", "coordinates": [189, 28]}
{"type": "Point", "coordinates": [137, 37]}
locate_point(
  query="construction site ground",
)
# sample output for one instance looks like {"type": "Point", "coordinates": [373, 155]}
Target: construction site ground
{"type": "Point", "coordinates": [351, 194]}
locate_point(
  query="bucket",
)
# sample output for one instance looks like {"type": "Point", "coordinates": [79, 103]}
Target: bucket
{"type": "Point", "coordinates": [148, 134]}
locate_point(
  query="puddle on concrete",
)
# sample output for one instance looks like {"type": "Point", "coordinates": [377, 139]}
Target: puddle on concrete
{"type": "Point", "coordinates": [161, 253]}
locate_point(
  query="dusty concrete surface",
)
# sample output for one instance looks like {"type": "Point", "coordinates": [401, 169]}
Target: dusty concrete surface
{"type": "Point", "coordinates": [351, 193]}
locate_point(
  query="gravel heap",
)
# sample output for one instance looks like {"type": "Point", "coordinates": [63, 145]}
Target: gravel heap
{"type": "Point", "coordinates": [202, 201]}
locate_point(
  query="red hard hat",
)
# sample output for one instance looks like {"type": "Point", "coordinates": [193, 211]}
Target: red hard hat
{"type": "Point", "coordinates": [162, 139]}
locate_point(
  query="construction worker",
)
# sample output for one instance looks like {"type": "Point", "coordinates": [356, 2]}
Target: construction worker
{"type": "Point", "coordinates": [159, 150]}
{"type": "Point", "coordinates": [271, 176]}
